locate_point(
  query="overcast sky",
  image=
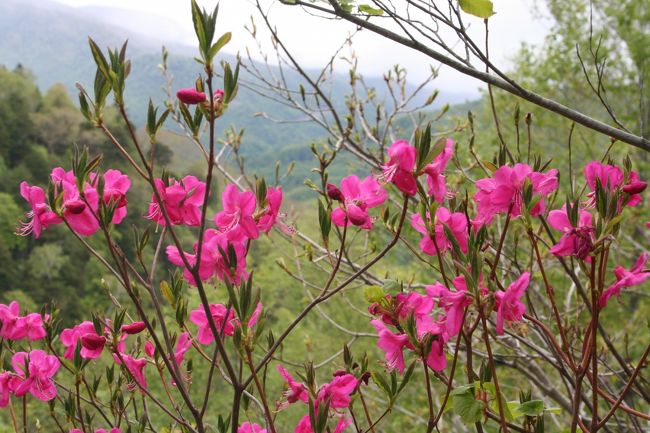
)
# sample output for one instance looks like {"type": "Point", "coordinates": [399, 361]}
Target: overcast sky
{"type": "Point", "coordinates": [313, 39]}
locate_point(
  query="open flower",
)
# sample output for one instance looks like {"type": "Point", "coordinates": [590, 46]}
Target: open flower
{"type": "Point", "coordinates": [116, 185]}
{"type": "Point", "coordinates": [182, 201]}
{"type": "Point", "coordinates": [70, 337]}
{"type": "Point", "coordinates": [503, 192]}
{"type": "Point", "coordinates": [358, 197]}
{"type": "Point", "coordinates": [575, 241]}
{"type": "Point", "coordinates": [33, 373]}
{"type": "Point", "coordinates": [626, 278]}
{"type": "Point", "coordinates": [435, 172]}
{"type": "Point", "coordinates": [400, 166]}
{"type": "Point", "coordinates": [392, 345]}
{"type": "Point", "coordinates": [135, 367]}
{"type": "Point", "coordinates": [79, 211]}
{"type": "Point", "coordinates": [40, 217]}
{"type": "Point", "coordinates": [454, 303]}
{"type": "Point", "coordinates": [338, 391]}
{"type": "Point", "coordinates": [266, 217]}
{"type": "Point", "coordinates": [16, 327]}
{"type": "Point", "coordinates": [236, 219]}
{"type": "Point", "coordinates": [218, 313]}
{"type": "Point", "coordinates": [296, 391]}
{"type": "Point", "coordinates": [508, 304]}
{"type": "Point", "coordinates": [610, 178]}
{"type": "Point", "coordinates": [213, 262]}
{"type": "Point", "coordinates": [455, 222]}
{"type": "Point", "coordinates": [248, 427]}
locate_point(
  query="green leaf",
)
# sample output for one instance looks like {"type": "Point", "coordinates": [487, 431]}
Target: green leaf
{"type": "Point", "coordinates": [100, 60]}
{"type": "Point", "coordinates": [367, 9]}
{"type": "Point", "coordinates": [466, 405]}
{"type": "Point", "coordinates": [373, 294]}
{"type": "Point", "coordinates": [221, 42]}
{"type": "Point", "coordinates": [531, 408]}
{"type": "Point", "coordinates": [478, 8]}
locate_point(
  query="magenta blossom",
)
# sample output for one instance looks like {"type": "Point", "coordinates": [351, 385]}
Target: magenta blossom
{"type": "Point", "coordinates": [508, 304]}
{"type": "Point", "coordinates": [296, 391]}
{"type": "Point", "coordinates": [70, 336]}
{"type": "Point", "coordinates": [338, 391]}
{"type": "Point", "coordinates": [116, 185]}
{"type": "Point", "coordinates": [437, 360]}
{"type": "Point", "coordinates": [248, 427]}
{"type": "Point", "coordinates": [101, 430]}
{"type": "Point", "coordinates": [182, 345]}
{"type": "Point", "coordinates": [435, 172]}
{"type": "Point", "coordinates": [16, 327]}
{"type": "Point", "coordinates": [236, 219]}
{"type": "Point", "coordinates": [218, 312]}
{"type": "Point", "coordinates": [456, 222]}
{"type": "Point", "coordinates": [182, 201]}
{"type": "Point", "coordinates": [304, 425]}
{"type": "Point", "coordinates": [40, 217]}
{"type": "Point", "coordinates": [190, 96]}
{"type": "Point", "coordinates": [5, 388]}
{"type": "Point", "coordinates": [266, 217]}
{"type": "Point", "coordinates": [392, 345]}
{"type": "Point", "coordinates": [213, 262]}
{"type": "Point", "coordinates": [454, 303]}
{"type": "Point", "coordinates": [79, 211]}
{"type": "Point", "coordinates": [358, 197]}
{"type": "Point", "coordinates": [37, 377]}
{"type": "Point", "coordinates": [420, 307]}
{"type": "Point", "coordinates": [504, 191]}
{"type": "Point", "coordinates": [135, 367]}
{"type": "Point", "coordinates": [400, 166]}
{"type": "Point", "coordinates": [612, 177]}
{"type": "Point", "coordinates": [626, 278]}
{"type": "Point", "coordinates": [575, 241]}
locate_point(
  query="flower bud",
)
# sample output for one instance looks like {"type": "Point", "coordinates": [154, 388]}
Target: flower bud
{"type": "Point", "coordinates": [190, 96]}
{"type": "Point", "coordinates": [334, 193]}
{"type": "Point", "coordinates": [133, 328]}
{"type": "Point", "coordinates": [93, 341]}
{"type": "Point", "coordinates": [149, 349]}
{"type": "Point", "coordinates": [635, 187]}
{"type": "Point", "coordinates": [75, 206]}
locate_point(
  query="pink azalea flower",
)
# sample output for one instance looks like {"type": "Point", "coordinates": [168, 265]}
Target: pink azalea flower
{"type": "Point", "coordinates": [93, 343]}
{"type": "Point", "coordinates": [116, 186]}
{"type": "Point", "coordinates": [435, 172]}
{"type": "Point", "coordinates": [508, 304]}
{"type": "Point", "coordinates": [338, 391]}
{"type": "Point", "coordinates": [497, 194]}
{"type": "Point", "coordinates": [5, 388]}
{"type": "Point", "coordinates": [575, 241]}
{"type": "Point", "coordinates": [266, 218]}
{"type": "Point", "coordinates": [400, 166]}
{"type": "Point", "coordinates": [134, 328]}
{"type": "Point", "coordinates": [16, 327]}
{"type": "Point", "coordinates": [80, 212]}
{"type": "Point", "coordinates": [420, 307]}
{"type": "Point", "coordinates": [454, 303]}
{"type": "Point", "coordinates": [218, 312]}
{"type": "Point", "coordinates": [236, 219]}
{"type": "Point", "coordinates": [437, 360]}
{"type": "Point", "coordinates": [612, 177]}
{"type": "Point", "coordinates": [135, 367]}
{"type": "Point", "coordinates": [70, 336]}
{"type": "Point", "coordinates": [392, 345]}
{"type": "Point", "coordinates": [456, 222]}
{"type": "Point", "coordinates": [304, 425]}
{"type": "Point", "coordinates": [247, 427]}
{"type": "Point", "coordinates": [296, 391]}
{"type": "Point", "coordinates": [190, 96]}
{"type": "Point", "coordinates": [626, 278]}
{"type": "Point", "coordinates": [40, 217]}
{"type": "Point", "coordinates": [358, 197]}
{"type": "Point", "coordinates": [182, 345]}
{"type": "Point", "coordinates": [182, 201]}
{"type": "Point", "coordinates": [37, 377]}
{"type": "Point", "coordinates": [252, 321]}
{"type": "Point", "coordinates": [212, 260]}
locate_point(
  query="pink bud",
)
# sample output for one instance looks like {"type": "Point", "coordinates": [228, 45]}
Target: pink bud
{"type": "Point", "coordinates": [149, 349]}
{"type": "Point", "coordinates": [635, 187]}
{"type": "Point", "coordinates": [133, 328]}
{"type": "Point", "coordinates": [219, 94]}
{"type": "Point", "coordinates": [75, 206]}
{"type": "Point", "coordinates": [190, 96]}
{"type": "Point", "coordinates": [339, 373]}
{"type": "Point", "coordinates": [93, 341]}
{"type": "Point", "coordinates": [334, 193]}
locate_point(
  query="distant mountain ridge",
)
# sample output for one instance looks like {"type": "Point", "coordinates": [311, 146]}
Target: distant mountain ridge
{"type": "Point", "coordinates": [50, 39]}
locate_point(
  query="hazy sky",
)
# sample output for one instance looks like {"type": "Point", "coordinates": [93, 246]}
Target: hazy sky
{"type": "Point", "coordinates": [313, 39]}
